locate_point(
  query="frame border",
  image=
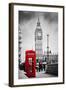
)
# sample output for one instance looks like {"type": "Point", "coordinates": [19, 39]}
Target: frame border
{"type": "Point", "coordinates": [11, 43]}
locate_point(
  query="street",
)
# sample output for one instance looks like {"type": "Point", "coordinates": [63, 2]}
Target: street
{"type": "Point", "coordinates": [38, 75]}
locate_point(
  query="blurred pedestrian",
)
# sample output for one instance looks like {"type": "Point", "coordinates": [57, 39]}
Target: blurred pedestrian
{"type": "Point", "coordinates": [40, 66]}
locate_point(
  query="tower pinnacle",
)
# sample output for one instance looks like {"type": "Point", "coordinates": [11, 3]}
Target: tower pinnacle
{"type": "Point", "coordinates": [38, 23]}
{"type": "Point", "coordinates": [38, 19]}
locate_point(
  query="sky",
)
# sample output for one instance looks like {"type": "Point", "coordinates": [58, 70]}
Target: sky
{"type": "Point", "coordinates": [49, 25]}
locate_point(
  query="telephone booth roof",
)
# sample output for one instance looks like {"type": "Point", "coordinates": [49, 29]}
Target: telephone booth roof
{"type": "Point", "coordinates": [30, 51]}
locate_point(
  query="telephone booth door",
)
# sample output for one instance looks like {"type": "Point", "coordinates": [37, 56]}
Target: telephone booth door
{"type": "Point", "coordinates": [30, 63]}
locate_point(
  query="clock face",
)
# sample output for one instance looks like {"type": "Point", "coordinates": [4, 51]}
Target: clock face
{"type": "Point", "coordinates": [39, 34]}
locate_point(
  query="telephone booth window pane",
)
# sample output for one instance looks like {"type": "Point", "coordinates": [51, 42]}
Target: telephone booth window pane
{"type": "Point", "coordinates": [30, 63]}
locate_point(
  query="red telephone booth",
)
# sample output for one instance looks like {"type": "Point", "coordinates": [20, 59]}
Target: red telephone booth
{"type": "Point", "coordinates": [30, 63]}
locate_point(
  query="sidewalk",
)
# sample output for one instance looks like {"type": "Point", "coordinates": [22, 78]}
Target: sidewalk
{"type": "Point", "coordinates": [42, 74]}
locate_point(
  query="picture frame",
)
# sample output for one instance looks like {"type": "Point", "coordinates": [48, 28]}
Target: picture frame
{"type": "Point", "coordinates": [36, 44]}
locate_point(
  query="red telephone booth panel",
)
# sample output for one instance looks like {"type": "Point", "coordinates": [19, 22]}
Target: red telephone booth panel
{"type": "Point", "coordinates": [30, 63]}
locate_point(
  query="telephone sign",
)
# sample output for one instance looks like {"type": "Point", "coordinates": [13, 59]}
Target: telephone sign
{"type": "Point", "coordinates": [30, 63]}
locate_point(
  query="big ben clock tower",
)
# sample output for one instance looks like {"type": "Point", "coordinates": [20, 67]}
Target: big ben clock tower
{"type": "Point", "coordinates": [38, 42]}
